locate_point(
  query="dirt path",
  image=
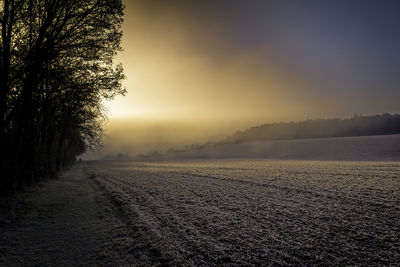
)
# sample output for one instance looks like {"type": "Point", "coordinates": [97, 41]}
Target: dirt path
{"type": "Point", "coordinates": [65, 222]}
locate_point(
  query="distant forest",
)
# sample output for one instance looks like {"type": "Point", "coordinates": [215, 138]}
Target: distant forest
{"type": "Point", "coordinates": [356, 126]}
{"type": "Point", "coordinates": [359, 125]}
{"type": "Point", "coordinates": [56, 67]}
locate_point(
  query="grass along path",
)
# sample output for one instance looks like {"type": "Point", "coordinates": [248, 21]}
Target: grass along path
{"type": "Point", "coordinates": [69, 221]}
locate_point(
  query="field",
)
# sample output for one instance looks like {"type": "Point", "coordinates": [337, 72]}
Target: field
{"type": "Point", "coordinates": [258, 212]}
{"type": "Point", "coordinates": [354, 148]}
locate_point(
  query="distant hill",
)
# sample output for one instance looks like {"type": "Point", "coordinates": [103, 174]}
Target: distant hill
{"type": "Point", "coordinates": [384, 124]}
{"type": "Point", "coordinates": [359, 148]}
{"type": "Point", "coordinates": [293, 140]}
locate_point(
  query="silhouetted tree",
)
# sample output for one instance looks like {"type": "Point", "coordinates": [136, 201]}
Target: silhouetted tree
{"type": "Point", "coordinates": [56, 66]}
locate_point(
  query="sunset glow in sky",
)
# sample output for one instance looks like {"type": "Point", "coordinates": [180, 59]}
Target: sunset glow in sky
{"type": "Point", "coordinates": [274, 60]}
{"type": "Point", "coordinates": [249, 62]}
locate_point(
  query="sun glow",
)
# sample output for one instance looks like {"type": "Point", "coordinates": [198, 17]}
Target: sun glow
{"type": "Point", "coordinates": [170, 75]}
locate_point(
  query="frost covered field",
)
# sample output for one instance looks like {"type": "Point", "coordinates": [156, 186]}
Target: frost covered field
{"type": "Point", "coordinates": [253, 212]}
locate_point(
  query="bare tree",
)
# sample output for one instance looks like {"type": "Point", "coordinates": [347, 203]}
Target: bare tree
{"type": "Point", "coordinates": [56, 66]}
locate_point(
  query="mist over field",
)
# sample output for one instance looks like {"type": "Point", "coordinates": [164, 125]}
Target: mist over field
{"type": "Point", "coordinates": [133, 137]}
{"type": "Point", "coordinates": [210, 138]}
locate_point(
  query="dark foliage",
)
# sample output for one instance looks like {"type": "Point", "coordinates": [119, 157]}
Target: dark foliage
{"type": "Point", "coordinates": [56, 67]}
{"type": "Point", "coordinates": [356, 126]}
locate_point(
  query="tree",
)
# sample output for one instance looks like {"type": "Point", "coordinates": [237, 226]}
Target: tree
{"type": "Point", "coordinates": [56, 66]}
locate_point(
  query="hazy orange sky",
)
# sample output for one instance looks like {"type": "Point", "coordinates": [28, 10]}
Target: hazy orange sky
{"type": "Point", "coordinates": [233, 64]}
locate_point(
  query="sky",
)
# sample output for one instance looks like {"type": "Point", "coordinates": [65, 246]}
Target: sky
{"type": "Point", "coordinates": [216, 66]}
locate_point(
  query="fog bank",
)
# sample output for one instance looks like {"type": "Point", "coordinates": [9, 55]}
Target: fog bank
{"type": "Point", "coordinates": [138, 136]}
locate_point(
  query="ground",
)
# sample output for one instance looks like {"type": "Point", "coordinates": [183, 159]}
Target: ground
{"type": "Point", "coordinates": [69, 221]}
{"type": "Point", "coordinates": [262, 212]}
{"type": "Point", "coordinates": [208, 213]}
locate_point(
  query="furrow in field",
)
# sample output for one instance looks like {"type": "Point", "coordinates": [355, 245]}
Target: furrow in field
{"type": "Point", "coordinates": [207, 218]}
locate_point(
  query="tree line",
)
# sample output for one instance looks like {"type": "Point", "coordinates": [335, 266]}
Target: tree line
{"type": "Point", "coordinates": [56, 67]}
{"type": "Point", "coordinates": [356, 126]}
{"type": "Point", "coordinates": [359, 125]}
